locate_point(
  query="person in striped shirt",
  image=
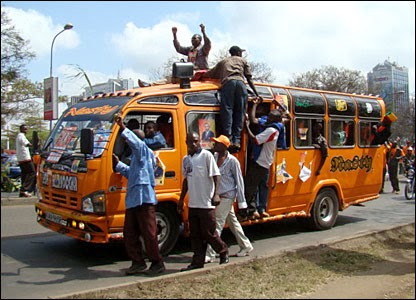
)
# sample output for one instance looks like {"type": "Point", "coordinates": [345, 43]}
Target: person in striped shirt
{"type": "Point", "coordinates": [231, 188]}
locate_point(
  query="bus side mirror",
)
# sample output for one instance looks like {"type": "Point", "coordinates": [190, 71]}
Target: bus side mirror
{"type": "Point", "coordinates": [87, 141]}
{"type": "Point", "coordinates": [184, 71]}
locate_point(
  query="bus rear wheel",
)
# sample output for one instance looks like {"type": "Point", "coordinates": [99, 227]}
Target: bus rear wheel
{"type": "Point", "coordinates": [324, 211]}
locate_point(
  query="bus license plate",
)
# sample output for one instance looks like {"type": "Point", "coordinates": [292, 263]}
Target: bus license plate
{"type": "Point", "coordinates": [55, 218]}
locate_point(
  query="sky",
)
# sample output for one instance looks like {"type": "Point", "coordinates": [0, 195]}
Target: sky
{"type": "Point", "coordinates": [132, 39]}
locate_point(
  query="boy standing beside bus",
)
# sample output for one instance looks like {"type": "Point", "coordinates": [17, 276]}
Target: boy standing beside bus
{"type": "Point", "coordinates": [259, 167]}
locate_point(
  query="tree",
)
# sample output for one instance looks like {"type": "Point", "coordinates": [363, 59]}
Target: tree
{"type": "Point", "coordinates": [331, 78]}
{"type": "Point", "coordinates": [18, 94]}
{"type": "Point", "coordinates": [261, 71]}
{"type": "Point", "coordinates": [404, 127]}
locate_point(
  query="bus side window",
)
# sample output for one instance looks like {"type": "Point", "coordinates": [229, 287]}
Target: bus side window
{"type": "Point", "coordinates": [338, 135]}
{"type": "Point", "coordinates": [365, 134]}
{"type": "Point", "coordinates": [303, 132]}
{"type": "Point", "coordinates": [164, 123]}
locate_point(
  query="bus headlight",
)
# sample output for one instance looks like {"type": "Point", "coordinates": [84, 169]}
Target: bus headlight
{"type": "Point", "coordinates": [94, 203]}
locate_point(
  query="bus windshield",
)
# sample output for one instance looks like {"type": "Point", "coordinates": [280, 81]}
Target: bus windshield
{"type": "Point", "coordinates": [95, 114]}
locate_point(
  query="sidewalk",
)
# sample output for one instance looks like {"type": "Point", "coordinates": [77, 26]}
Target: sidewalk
{"type": "Point", "coordinates": [14, 199]}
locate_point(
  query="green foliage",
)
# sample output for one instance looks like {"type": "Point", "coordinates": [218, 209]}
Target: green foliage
{"type": "Point", "coordinates": [18, 94]}
{"type": "Point", "coordinates": [331, 78]}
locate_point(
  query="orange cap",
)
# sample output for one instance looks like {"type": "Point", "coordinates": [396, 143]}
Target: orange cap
{"type": "Point", "coordinates": [222, 139]}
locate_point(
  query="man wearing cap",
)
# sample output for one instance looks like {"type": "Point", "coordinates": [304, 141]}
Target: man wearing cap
{"type": "Point", "coordinates": [232, 71]}
{"type": "Point", "coordinates": [197, 53]}
{"type": "Point", "coordinates": [231, 187]}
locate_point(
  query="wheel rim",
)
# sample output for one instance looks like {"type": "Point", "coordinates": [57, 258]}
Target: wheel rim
{"type": "Point", "coordinates": [326, 209]}
{"type": "Point", "coordinates": [163, 230]}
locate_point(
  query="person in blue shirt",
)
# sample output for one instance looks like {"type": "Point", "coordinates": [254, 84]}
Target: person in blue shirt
{"type": "Point", "coordinates": [154, 139]}
{"type": "Point", "coordinates": [140, 217]}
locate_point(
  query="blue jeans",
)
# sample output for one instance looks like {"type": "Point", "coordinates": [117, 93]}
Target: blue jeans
{"type": "Point", "coordinates": [262, 193]}
{"type": "Point", "coordinates": [233, 103]}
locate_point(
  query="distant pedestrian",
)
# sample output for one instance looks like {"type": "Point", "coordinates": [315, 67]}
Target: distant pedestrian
{"type": "Point", "coordinates": [197, 53]}
{"type": "Point", "coordinates": [140, 217]}
{"type": "Point", "coordinates": [231, 188]}
{"type": "Point", "coordinates": [202, 179]}
{"type": "Point", "coordinates": [394, 155]}
{"type": "Point", "coordinates": [25, 163]}
{"type": "Point", "coordinates": [232, 72]}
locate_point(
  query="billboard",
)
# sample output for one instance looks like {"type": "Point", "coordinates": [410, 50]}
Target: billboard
{"type": "Point", "coordinates": [50, 96]}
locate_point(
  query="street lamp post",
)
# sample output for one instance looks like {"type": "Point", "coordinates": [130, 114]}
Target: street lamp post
{"type": "Point", "coordinates": [66, 27]}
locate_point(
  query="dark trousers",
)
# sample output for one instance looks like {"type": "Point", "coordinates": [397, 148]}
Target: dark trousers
{"type": "Point", "coordinates": [233, 103]}
{"type": "Point", "coordinates": [140, 221]}
{"type": "Point", "coordinates": [392, 169]}
{"type": "Point", "coordinates": [202, 232]}
{"type": "Point", "coordinates": [254, 176]}
{"type": "Point", "coordinates": [28, 176]}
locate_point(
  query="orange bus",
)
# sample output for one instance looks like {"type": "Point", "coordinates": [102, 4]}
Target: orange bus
{"type": "Point", "coordinates": [81, 196]}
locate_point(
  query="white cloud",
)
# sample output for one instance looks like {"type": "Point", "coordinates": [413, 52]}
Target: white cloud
{"type": "Point", "coordinates": [40, 31]}
{"type": "Point", "coordinates": [291, 37]}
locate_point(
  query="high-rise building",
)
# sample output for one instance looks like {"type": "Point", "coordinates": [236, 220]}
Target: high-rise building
{"type": "Point", "coordinates": [391, 82]}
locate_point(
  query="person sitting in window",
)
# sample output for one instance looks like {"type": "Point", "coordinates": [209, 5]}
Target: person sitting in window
{"type": "Point", "coordinates": [154, 139]}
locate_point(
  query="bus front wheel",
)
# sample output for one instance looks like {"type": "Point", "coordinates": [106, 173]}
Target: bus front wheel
{"type": "Point", "coordinates": [324, 211]}
{"type": "Point", "coordinates": [167, 227]}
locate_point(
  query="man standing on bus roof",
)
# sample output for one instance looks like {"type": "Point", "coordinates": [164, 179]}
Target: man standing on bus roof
{"type": "Point", "coordinates": [231, 71]}
{"type": "Point", "coordinates": [197, 53]}
{"type": "Point", "coordinates": [140, 217]}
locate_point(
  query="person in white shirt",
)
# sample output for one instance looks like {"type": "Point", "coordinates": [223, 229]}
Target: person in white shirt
{"type": "Point", "coordinates": [259, 167]}
{"type": "Point", "coordinates": [231, 187]}
{"type": "Point", "coordinates": [25, 163]}
{"type": "Point", "coordinates": [202, 180]}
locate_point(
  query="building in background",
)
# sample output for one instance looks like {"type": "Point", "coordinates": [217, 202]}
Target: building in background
{"type": "Point", "coordinates": [391, 82]}
{"type": "Point", "coordinates": [111, 86]}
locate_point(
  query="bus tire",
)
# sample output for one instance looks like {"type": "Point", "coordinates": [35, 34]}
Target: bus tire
{"type": "Point", "coordinates": [324, 211]}
{"type": "Point", "coordinates": [167, 221]}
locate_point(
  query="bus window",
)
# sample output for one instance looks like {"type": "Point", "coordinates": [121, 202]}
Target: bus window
{"type": "Point", "coordinates": [303, 129]}
{"type": "Point", "coordinates": [199, 122]}
{"type": "Point", "coordinates": [365, 132]}
{"type": "Point", "coordinates": [342, 133]}
{"type": "Point", "coordinates": [303, 132]}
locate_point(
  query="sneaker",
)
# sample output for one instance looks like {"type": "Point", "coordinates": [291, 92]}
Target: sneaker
{"type": "Point", "coordinates": [264, 214]}
{"type": "Point", "coordinates": [209, 259]}
{"type": "Point", "coordinates": [397, 192]}
{"type": "Point", "coordinates": [25, 194]}
{"type": "Point", "coordinates": [224, 259]}
{"type": "Point", "coordinates": [255, 215]}
{"type": "Point", "coordinates": [136, 268]}
{"type": "Point", "coordinates": [156, 268]}
{"type": "Point", "coordinates": [244, 252]}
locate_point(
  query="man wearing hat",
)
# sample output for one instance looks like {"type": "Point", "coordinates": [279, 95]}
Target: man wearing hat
{"type": "Point", "coordinates": [231, 187]}
{"type": "Point", "coordinates": [231, 71]}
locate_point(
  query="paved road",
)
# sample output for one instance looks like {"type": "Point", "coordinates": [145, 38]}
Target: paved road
{"type": "Point", "coordinates": [40, 264]}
